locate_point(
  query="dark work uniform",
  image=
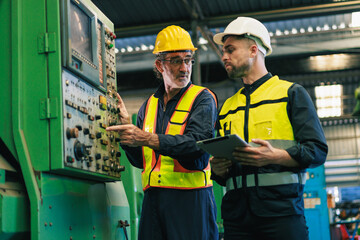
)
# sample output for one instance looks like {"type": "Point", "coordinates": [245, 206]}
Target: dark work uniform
{"type": "Point", "coordinates": [173, 213]}
{"type": "Point", "coordinates": [275, 212]}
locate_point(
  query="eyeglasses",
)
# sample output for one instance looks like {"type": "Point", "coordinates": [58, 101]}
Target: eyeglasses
{"type": "Point", "coordinates": [179, 61]}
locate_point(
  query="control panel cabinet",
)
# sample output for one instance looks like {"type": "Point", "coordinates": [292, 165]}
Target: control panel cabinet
{"type": "Point", "coordinates": [88, 94]}
{"type": "Point", "coordinates": [88, 109]}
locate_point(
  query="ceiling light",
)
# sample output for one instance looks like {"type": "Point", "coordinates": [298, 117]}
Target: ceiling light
{"type": "Point", "coordinates": [202, 41]}
{"type": "Point", "coordinates": [355, 19]}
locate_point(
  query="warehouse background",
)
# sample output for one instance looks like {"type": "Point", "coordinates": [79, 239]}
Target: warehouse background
{"type": "Point", "coordinates": [54, 114]}
{"type": "Point", "coordinates": [316, 44]}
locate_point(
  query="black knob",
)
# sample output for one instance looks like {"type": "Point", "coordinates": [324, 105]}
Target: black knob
{"type": "Point", "coordinates": [98, 135]}
{"type": "Point", "coordinates": [79, 127]}
{"type": "Point", "coordinates": [86, 131]}
{"type": "Point", "coordinates": [97, 156]}
{"type": "Point", "coordinates": [80, 150]}
{"type": "Point", "coordinates": [97, 117]}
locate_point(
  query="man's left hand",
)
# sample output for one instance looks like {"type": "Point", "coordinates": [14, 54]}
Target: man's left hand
{"type": "Point", "coordinates": [263, 155]}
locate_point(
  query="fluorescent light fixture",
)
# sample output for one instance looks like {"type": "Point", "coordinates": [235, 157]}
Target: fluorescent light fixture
{"type": "Point", "coordinates": [355, 19]}
{"type": "Point", "coordinates": [328, 100]}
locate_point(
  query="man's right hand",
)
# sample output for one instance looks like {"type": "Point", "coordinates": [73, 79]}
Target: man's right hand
{"type": "Point", "coordinates": [220, 166]}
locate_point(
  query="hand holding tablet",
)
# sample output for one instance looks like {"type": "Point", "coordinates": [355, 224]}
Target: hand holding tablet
{"type": "Point", "coordinates": [222, 147]}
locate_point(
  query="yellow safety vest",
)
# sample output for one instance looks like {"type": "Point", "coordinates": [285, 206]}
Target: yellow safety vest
{"type": "Point", "coordinates": [264, 116]}
{"type": "Point", "coordinates": [166, 172]}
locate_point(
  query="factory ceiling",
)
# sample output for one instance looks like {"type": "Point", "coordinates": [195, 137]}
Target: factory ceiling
{"type": "Point", "coordinates": [145, 17]}
{"type": "Point", "coordinates": [298, 28]}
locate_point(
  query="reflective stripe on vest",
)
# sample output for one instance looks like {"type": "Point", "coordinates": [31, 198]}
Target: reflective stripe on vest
{"type": "Point", "coordinates": [165, 171]}
{"type": "Point", "coordinates": [268, 179]}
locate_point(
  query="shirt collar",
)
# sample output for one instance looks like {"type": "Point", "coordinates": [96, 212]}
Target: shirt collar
{"type": "Point", "coordinates": [250, 88]}
{"type": "Point", "coordinates": [161, 90]}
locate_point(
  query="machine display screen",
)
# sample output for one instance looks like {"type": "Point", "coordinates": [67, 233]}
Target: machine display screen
{"type": "Point", "coordinates": [80, 31]}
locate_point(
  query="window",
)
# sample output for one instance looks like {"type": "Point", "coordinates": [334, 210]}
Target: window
{"type": "Point", "coordinates": [328, 100]}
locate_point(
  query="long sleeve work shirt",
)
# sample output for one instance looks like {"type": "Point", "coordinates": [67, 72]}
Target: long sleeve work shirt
{"type": "Point", "coordinates": [200, 126]}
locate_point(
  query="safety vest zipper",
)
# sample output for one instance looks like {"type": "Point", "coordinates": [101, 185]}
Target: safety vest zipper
{"type": "Point", "coordinates": [246, 121]}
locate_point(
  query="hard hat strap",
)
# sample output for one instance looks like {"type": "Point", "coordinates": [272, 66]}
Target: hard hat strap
{"type": "Point", "coordinates": [258, 43]}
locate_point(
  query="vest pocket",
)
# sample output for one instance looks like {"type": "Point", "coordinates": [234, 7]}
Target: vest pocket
{"type": "Point", "coordinates": [263, 130]}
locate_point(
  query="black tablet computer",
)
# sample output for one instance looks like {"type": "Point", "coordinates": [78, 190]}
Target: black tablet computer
{"type": "Point", "coordinates": [222, 147]}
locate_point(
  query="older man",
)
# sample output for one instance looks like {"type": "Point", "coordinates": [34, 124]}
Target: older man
{"type": "Point", "coordinates": [178, 196]}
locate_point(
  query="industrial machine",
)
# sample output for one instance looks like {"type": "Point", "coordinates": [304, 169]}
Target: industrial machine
{"type": "Point", "coordinates": [315, 203]}
{"type": "Point", "coordinates": [60, 170]}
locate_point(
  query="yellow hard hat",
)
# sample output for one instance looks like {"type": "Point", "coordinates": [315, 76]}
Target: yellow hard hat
{"type": "Point", "coordinates": [173, 38]}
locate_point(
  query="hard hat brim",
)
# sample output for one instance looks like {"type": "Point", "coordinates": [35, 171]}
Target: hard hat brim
{"type": "Point", "coordinates": [219, 37]}
{"type": "Point", "coordinates": [175, 50]}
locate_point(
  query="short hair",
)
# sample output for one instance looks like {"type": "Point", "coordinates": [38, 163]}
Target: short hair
{"type": "Point", "coordinates": [237, 37]}
{"type": "Point", "coordinates": [244, 36]}
{"type": "Point", "coordinates": [159, 56]}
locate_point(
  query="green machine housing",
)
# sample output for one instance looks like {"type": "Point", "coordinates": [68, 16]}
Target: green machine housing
{"type": "Point", "coordinates": [60, 171]}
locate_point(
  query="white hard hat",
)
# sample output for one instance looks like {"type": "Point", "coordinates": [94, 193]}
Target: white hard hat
{"type": "Point", "coordinates": [252, 29]}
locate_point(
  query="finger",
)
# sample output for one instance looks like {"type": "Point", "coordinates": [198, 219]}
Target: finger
{"type": "Point", "coordinates": [118, 127]}
{"type": "Point", "coordinates": [260, 141]}
{"type": "Point", "coordinates": [119, 98]}
{"type": "Point", "coordinates": [121, 103]}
